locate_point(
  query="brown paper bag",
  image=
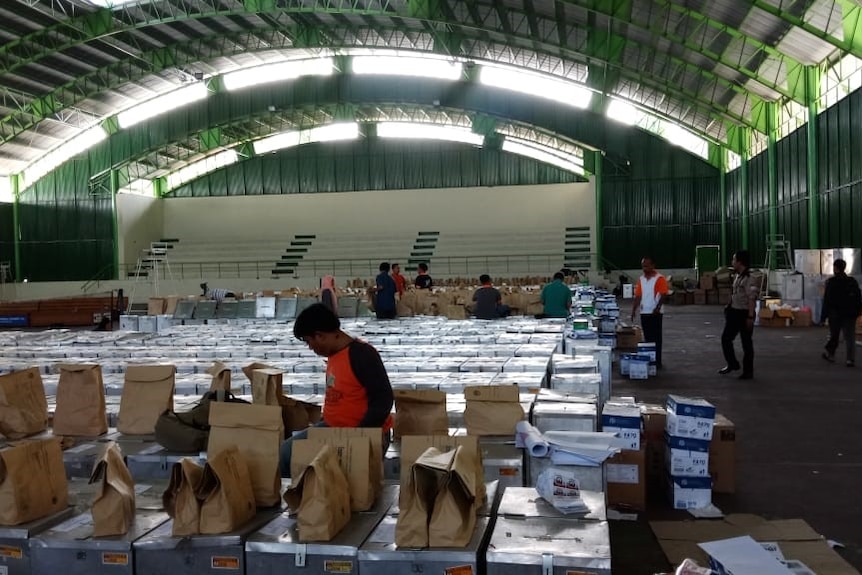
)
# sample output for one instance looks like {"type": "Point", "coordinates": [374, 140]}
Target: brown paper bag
{"type": "Point", "coordinates": [320, 495]}
{"type": "Point", "coordinates": [181, 500]}
{"type": "Point", "coordinates": [294, 414]}
{"type": "Point", "coordinates": [221, 377]}
{"type": "Point", "coordinates": [492, 409]}
{"type": "Point", "coordinates": [147, 392]}
{"type": "Point", "coordinates": [413, 446]}
{"type": "Point", "coordinates": [375, 437]}
{"type": "Point", "coordinates": [266, 386]}
{"type": "Point", "coordinates": [226, 493]}
{"type": "Point", "coordinates": [454, 515]}
{"type": "Point", "coordinates": [80, 401]}
{"type": "Point", "coordinates": [32, 481]}
{"type": "Point", "coordinates": [23, 407]}
{"type": "Point", "coordinates": [354, 456]}
{"type": "Point", "coordinates": [114, 504]}
{"type": "Point", "coordinates": [425, 478]}
{"type": "Point", "coordinates": [257, 431]}
{"type": "Point", "coordinates": [250, 369]}
{"type": "Point", "coordinates": [420, 412]}
{"type": "Point", "coordinates": [156, 306]}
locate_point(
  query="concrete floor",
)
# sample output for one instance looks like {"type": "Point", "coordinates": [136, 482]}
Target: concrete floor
{"type": "Point", "coordinates": [798, 430]}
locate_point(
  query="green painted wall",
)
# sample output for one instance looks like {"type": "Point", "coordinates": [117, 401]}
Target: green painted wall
{"type": "Point", "coordinates": [658, 200]}
{"type": "Point", "coordinates": [7, 235]}
{"type": "Point", "coordinates": [370, 164]}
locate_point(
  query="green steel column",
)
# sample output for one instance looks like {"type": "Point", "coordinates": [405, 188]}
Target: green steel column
{"type": "Point", "coordinates": [722, 191]}
{"type": "Point", "coordinates": [772, 110]}
{"type": "Point", "coordinates": [812, 93]}
{"type": "Point", "coordinates": [16, 227]}
{"type": "Point", "coordinates": [743, 197]}
{"type": "Point", "coordinates": [598, 170]}
{"type": "Point", "coordinates": [115, 186]}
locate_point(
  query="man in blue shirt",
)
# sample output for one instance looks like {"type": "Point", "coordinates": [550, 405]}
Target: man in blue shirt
{"type": "Point", "coordinates": [384, 292]}
{"type": "Point", "coordinates": [557, 297]}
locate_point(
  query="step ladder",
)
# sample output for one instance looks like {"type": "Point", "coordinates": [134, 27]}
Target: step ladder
{"type": "Point", "coordinates": [778, 257]}
{"type": "Point", "coordinates": [153, 265]}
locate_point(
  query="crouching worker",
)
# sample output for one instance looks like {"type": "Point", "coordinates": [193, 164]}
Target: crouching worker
{"type": "Point", "coordinates": [358, 392]}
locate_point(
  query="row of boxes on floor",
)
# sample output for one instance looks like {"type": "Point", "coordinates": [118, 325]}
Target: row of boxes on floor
{"type": "Point", "coordinates": [773, 314]}
{"type": "Point", "coordinates": [640, 365]}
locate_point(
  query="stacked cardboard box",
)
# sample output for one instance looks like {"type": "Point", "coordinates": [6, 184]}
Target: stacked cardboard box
{"type": "Point", "coordinates": [626, 471]}
{"type": "Point", "coordinates": [689, 430]}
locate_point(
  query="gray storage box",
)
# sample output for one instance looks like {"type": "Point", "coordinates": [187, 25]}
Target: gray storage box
{"type": "Point", "coordinates": [70, 548]}
{"type": "Point", "coordinates": [564, 416]}
{"type": "Point", "coordinates": [204, 310]}
{"type": "Point", "coordinates": [392, 462]}
{"type": "Point", "coordinates": [147, 324]}
{"type": "Point", "coordinates": [155, 462]}
{"type": "Point", "coordinates": [275, 549]}
{"type": "Point", "coordinates": [265, 307]}
{"type": "Point", "coordinates": [128, 323]}
{"type": "Point", "coordinates": [590, 478]}
{"type": "Point", "coordinates": [80, 459]}
{"type": "Point", "coordinates": [380, 555]}
{"type": "Point", "coordinates": [227, 310]}
{"type": "Point", "coordinates": [15, 542]}
{"type": "Point", "coordinates": [577, 383]}
{"type": "Point", "coordinates": [185, 309]}
{"type": "Point", "coordinates": [503, 463]}
{"type": "Point", "coordinates": [161, 553]}
{"type": "Point", "coordinates": [526, 502]}
{"type": "Point", "coordinates": [285, 308]}
{"type": "Point", "coordinates": [545, 546]}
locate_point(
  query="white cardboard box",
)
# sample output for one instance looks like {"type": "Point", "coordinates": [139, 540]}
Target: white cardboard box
{"type": "Point", "coordinates": [687, 457]}
{"type": "Point", "coordinates": [625, 421]}
{"type": "Point", "coordinates": [689, 417]}
{"type": "Point", "coordinates": [690, 492]}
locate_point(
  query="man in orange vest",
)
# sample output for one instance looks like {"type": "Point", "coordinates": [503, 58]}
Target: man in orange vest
{"type": "Point", "coordinates": [358, 392]}
{"type": "Point", "coordinates": [650, 292]}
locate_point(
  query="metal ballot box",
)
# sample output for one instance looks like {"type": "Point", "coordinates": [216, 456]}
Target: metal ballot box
{"type": "Point", "coordinates": [275, 549]}
{"type": "Point", "coordinates": [526, 502]}
{"type": "Point", "coordinates": [15, 542]}
{"type": "Point", "coordinates": [153, 461]}
{"type": "Point", "coordinates": [564, 416]}
{"type": "Point", "coordinates": [70, 548]}
{"type": "Point", "coordinates": [80, 459]}
{"type": "Point", "coordinates": [545, 546]}
{"type": "Point", "coordinates": [503, 463]}
{"type": "Point", "coordinates": [379, 553]}
{"type": "Point", "coordinates": [160, 553]}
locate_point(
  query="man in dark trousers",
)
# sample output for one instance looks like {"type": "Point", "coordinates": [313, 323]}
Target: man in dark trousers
{"type": "Point", "coordinates": [842, 304]}
{"type": "Point", "coordinates": [739, 317]}
{"type": "Point", "coordinates": [650, 292]}
{"type": "Point", "coordinates": [384, 290]}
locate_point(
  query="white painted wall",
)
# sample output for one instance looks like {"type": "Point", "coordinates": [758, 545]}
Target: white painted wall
{"type": "Point", "coordinates": [140, 220]}
{"type": "Point", "coordinates": [512, 208]}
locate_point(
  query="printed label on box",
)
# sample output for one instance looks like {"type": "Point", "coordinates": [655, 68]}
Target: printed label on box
{"type": "Point", "coordinates": [11, 552]}
{"type": "Point", "coordinates": [115, 558]}
{"type": "Point", "coordinates": [338, 566]}
{"type": "Point", "coordinates": [225, 562]}
{"type": "Point", "coordinates": [459, 570]}
{"type": "Point", "coordinates": [619, 473]}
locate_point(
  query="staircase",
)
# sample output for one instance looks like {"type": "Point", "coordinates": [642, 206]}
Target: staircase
{"type": "Point", "coordinates": [423, 250]}
{"type": "Point", "coordinates": [299, 246]}
{"type": "Point", "coordinates": [151, 256]}
{"type": "Point", "coordinates": [577, 251]}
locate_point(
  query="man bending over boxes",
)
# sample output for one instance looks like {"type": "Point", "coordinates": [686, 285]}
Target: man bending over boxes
{"type": "Point", "coordinates": [358, 392]}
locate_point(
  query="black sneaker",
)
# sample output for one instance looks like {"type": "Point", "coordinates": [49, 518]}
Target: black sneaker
{"type": "Point", "coordinates": [828, 357]}
{"type": "Point", "coordinates": [727, 369]}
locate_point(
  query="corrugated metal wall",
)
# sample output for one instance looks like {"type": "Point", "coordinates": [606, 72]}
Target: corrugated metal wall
{"type": "Point", "coordinates": [792, 172]}
{"type": "Point", "coordinates": [371, 164]}
{"type": "Point", "coordinates": [664, 202]}
{"type": "Point", "coordinates": [840, 177]}
{"type": "Point", "coordinates": [7, 235]}
{"type": "Point", "coordinates": [66, 233]}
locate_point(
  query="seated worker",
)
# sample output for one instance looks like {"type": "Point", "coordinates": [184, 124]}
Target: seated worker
{"type": "Point", "coordinates": [217, 294]}
{"type": "Point", "coordinates": [557, 298]}
{"type": "Point", "coordinates": [423, 280]}
{"type": "Point", "coordinates": [489, 302]}
{"type": "Point", "coordinates": [358, 392]}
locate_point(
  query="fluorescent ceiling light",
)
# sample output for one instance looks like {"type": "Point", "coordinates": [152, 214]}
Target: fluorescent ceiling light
{"type": "Point", "coordinates": [564, 91]}
{"type": "Point", "coordinates": [328, 133]}
{"type": "Point", "coordinates": [544, 154]}
{"type": "Point", "coordinates": [163, 104]}
{"type": "Point", "coordinates": [201, 167]}
{"type": "Point", "coordinates": [408, 66]}
{"type": "Point", "coordinates": [115, 3]}
{"type": "Point", "coordinates": [69, 149]}
{"type": "Point", "coordinates": [420, 131]}
{"type": "Point", "coordinates": [277, 72]}
{"type": "Point", "coordinates": [6, 195]}
{"type": "Point", "coordinates": [622, 112]}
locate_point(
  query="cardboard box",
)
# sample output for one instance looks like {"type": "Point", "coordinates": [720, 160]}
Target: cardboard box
{"type": "Point", "coordinates": [687, 457]}
{"type": "Point", "coordinates": [629, 337]}
{"type": "Point", "coordinates": [689, 492]}
{"type": "Point", "coordinates": [689, 298]}
{"type": "Point", "coordinates": [156, 306]}
{"type": "Point", "coordinates": [784, 313]}
{"type": "Point", "coordinates": [689, 417]}
{"type": "Point", "coordinates": [803, 319]}
{"type": "Point", "coordinates": [699, 297]}
{"type": "Point", "coordinates": [712, 297]}
{"type": "Point", "coordinates": [724, 295]}
{"type": "Point", "coordinates": [625, 474]}
{"type": "Point", "coordinates": [707, 281]}
{"type": "Point", "coordinates": [677, 297]}
{"type": "Point", "coordinates": [722, 455]}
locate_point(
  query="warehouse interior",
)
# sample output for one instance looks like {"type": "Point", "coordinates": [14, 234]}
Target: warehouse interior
{"type": "Point", "coordinates": [150, 146]}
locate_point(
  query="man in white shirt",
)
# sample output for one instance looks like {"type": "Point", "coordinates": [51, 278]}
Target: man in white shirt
{"type": "Point", "coordinates": [650, 291]}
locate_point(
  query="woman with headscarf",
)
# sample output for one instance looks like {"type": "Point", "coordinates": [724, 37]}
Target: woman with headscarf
{"type": "Point", "coordinates": [327, 294]}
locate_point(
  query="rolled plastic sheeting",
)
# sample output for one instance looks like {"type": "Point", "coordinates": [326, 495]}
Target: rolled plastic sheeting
{"type": "Point", "coordinates": [528, 436]}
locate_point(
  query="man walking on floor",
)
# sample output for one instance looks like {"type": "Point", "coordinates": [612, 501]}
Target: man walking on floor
{"type": "Point", "coordinates": [739, 317]}
{"type": "Point", "coordinates": [650, 292]}
{"type": "Point", "coordinates": [842, 304]}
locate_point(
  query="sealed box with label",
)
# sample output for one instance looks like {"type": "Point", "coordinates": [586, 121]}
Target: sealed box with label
{"type": "Point", "coordinates": [522, 502]}
{"type": "Point", "coordinates": [564, 416]}
{"type": "Point", "coordinates": [722, 455]}
{"type": "Point", "coordinates": [276, 547]}
{"type": "Point", "coordinates": [647, 348]}
{"type": "Point", "coordinates": [625, 421]}
{"type": "Point", "coordinates": [639, 367]}
{"type": "Point", "coordinates": [15, 542]}
{"type": "Point", "coordinates": [590, 477]}
{"type": "Point", "coordinates": [544, 546]}
{"type": "Point", "coordinates": [687, 457]}
{"type": "Point", "coordinates": [625, 473]}
{"type": "Point", "coordinates": [689, 492]}
{"type": "Point", "coordinates": [71, 549]}
{"type": "Point", "coordinates": [689, 417]}
{"type": "Point", "coordinates": [503, 463]}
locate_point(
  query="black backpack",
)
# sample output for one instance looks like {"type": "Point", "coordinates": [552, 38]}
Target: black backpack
{"type": "Point", "coordinates": [189, 431]}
